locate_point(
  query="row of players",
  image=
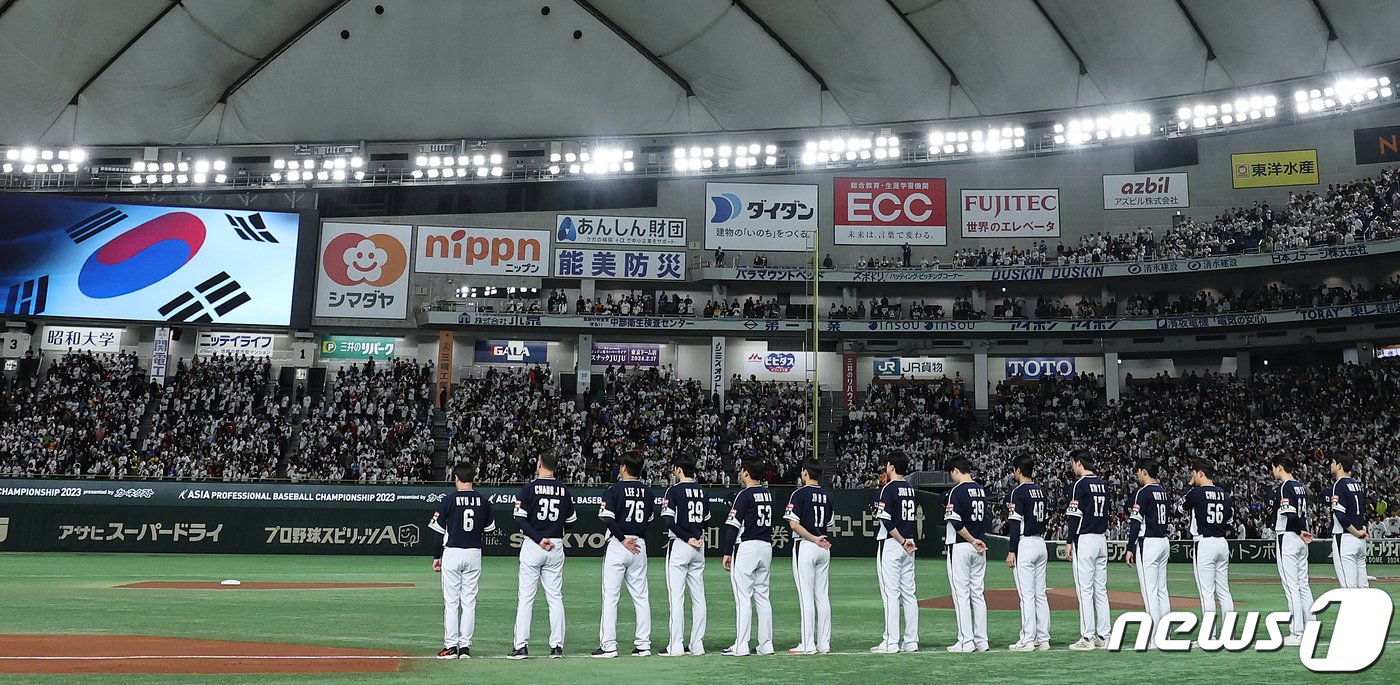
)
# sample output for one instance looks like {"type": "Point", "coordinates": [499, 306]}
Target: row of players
{"type": "Point", "coordinates": [544, 507]}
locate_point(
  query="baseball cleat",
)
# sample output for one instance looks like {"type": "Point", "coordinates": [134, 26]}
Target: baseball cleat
{"type": "Point", "coordinates": [1291, 641]}
{"type": "Point", "coordinates": [798, 650]}
{"type": "Point", "coordinates": [1021, 647]}
{"type": "Point", "coordinates": [558, 653]}
{"type": "Point", "coordinates": [730, 651]}
{"type": "Point", "coordinates": [638, 651]}
{"type": "Point", "coordinates": [1042, 646]}
{"type": "Point", "coordinates": [601, 653]}
{"type": "Point", "coordinates": [695, 652]}
{"type": "Point", "coordinates": [1085, 644]}
{"type": "Point", "coordinates": [884, 649]}
{"type": "Point", "coordinates": [519, 653]}
{"type": "Point", "coordinates": [909, 649]}
{"type": "Point", "coordinates": [448, 653]}
{"type": "Point", "coordinates": [667, 652]}
{"type": "Point", "coordinates": [959, 649]}
{"type": "Point", "coordinates": [1100, 643]}
{"type": "Point", "coordinates": [984, 647]}
{"type": "Point", "coordinates": [464, 652]}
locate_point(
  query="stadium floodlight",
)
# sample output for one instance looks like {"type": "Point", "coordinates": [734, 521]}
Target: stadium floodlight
{"type": "Point", "coordinates": [325, 175]}
{"type": "Point", "coordinates": [1059, 139]}
{"type": "Point", "coordinates": [279, 163]}
{"type": "Point", "coordinates": [574, 168]}
{"type": "Point", "coordinates": [434, 161]}
{"type": "Point", "coordinates": [725, 151]}
{"type": "Point", "coordinates": [482, 172]}
{"type": "Point", "coordinates": [7, 168]}
{"type": "Point", "coordinates": [978, 146]}
{"type": "Point", "coordinates": [77, 155]}
{"type": "Point", "coordinates": [420, 160]}
{"type": "Point", "coordinates": [340, 162]}
{"type": "Point", "coordinates": [678, 153]}
{"type": "Point", "coordinates": [72, 168]}
{"type": "Point", "coordinates": [355, 162]}
{"type": "Point", "coordinates": [591, 168]}
{"type": "Point", "coordinates": [220, 165]}
{"type": "Point", "coordinates": [167, 167]}
{"type": "Point", "coordinates": [46, 154]}
{"type": "Point", "coordinates": [695, 151]}
{"type": "Point", "coordinates": [614, 167]}
{"type": "Point", "coordinates": [679, 164]}
{"type": "Point", "coordinates": [962, 147]}
{"type": "Point", "coordinates": [359, 176]}
{"type": "Point", "coordinates": [881, 153]}
{"type": "Point", "coordinates": [151, 179]}
{"type": "Point", "coordinates": [554, 157]}
{"type": "Point", "coordinates": [138, 165]}
{"type": "Point", "coordinates": [43, 168]}
{"type": "Point", "coordinates": [496, 158]}
{"type": "Point", "coordinates": [12, 154]}
{"type": "Point", "coordinates": [28, 154]}
{"type": "Point", "coordinates": [417, 173]}
{"type": "Point", "coordinates": [480, 159]}
{"type": "Point", "coordinates": [432, 173]}
{"type": "Point", "coordinates": [295, 176]}
{"type": "Point", "coordinates": [706, 163]}
{"type": "Point", "coordinates": [201, 166]}
{"type": "Point", "coordinates": [167, 178]}
{"type": "Point", "coordinates": [742, 162]}
{"type": "Point", "coordinates": [135, 178]}
{"type": "Point", "coordinates": [772, 160]}
{"type": "Point", "coordinates": [626, 154]}
{"type": "Point", "coordinates": [553, 169]}
{"type": "Point", "coordinates": [275, 177]}
{"type": "Point", "coordinates": [220, 178]}
{"type": "Point", "coordinates": [809, 157]}
{"type": "Point", "coordinates": [182, 178]}
{"type": "Point", "coordinates": [629, 166]}
{"type": "Point", "coordinates": [338, 174]}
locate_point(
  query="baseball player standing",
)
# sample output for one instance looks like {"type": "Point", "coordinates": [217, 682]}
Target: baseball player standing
{"type": "Point", "coordinates": [685, 511]}
{"type": "Point", "coordinates": [627, 510]}
{"type": "Point", "coordinates": [1290, 516]}
{"type": "Point", "coordinates": [896, 511]}
{"type": "Point", "coordinates": [966, 516]}
{"type": "Point", "coordinates": [461, 519]}
{"type": "Point", "coordinates": [1348, 523]}
{"type": "Point", "coordinates": [1025, 506]}
{"type": "Point", "coordinates": [1087, 550]}
{"type": "Point", "coordinates": [809, 513]}
{"type": "Point", "coordinates": [748, 545]}
{"type": "Point", "coordinates": [1210, 510]}
{"type": "Point", "coordinates": [542, 509]}
{"type": "Point", "coordinates": [1148, 546]}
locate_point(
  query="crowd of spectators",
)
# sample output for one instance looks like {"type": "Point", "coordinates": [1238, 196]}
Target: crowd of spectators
{"type": "Point", "coordinates": [374, 425]}
{"type": "Point", "coordinates": [1239, 425]}
{"type": "Point", "coordinates": [219, 418]}
{"type": "Point", "coordinates": [917, 417]}
{"type": "Point", "coordinates": [82, 417]}
{"type": "Point", "coordinates": [638, 304]}
{"type": "Point", "coordinates": [507, 417]}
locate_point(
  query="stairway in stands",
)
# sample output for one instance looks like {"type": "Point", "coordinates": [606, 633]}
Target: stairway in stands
{"type": "Point", "coordinates": [441, 444]}
{"type": "Point", "coordinates": [832, 417]}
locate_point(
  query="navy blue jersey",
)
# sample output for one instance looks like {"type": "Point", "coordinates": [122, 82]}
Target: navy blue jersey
{"type": "Point", "coordinates": [1348, 506]}
{"type": "Point", "coordinates": [1290, 507]}
{"type": "Point", "coordinates": [1210, 510]}
{"type": "Point", "coordinates": [750, 518]}
{"type": "Point", "coordinates": [966, 508]}
{"type": "Point", "coordinates": [542, 509]}
{"type": "Point", "coordinates": [685, 511]}
{"type": "Point", "coordinates": [627, 509]}
{"type": "Point", "coordinates": [896, 510]}
{"type": "Point", "coordinates": [462, 518]}
{"type": "Point", "coordinates": [1087, 512]}
{"type": "Point", "coordinates": [1147, 518]}
{"type": "Point", "coordinates": [810, 506]}
{"type": "Point", "coordinates": [1025, 512]}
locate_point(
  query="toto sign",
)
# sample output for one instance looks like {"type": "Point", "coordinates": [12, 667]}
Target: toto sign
{"type": "Point", "coordinates": [1036, 368]}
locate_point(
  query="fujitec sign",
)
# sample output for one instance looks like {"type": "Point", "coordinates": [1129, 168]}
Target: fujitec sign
{"type": "Point", "coordinates": [1011, 213]}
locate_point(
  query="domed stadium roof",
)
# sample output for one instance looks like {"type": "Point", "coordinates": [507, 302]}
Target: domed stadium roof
{"type": "Point", "coordinates": [256, 71]}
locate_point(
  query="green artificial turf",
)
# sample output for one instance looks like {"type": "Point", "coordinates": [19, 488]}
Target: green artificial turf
{"type": "Point", "coordinates": [74, 593]}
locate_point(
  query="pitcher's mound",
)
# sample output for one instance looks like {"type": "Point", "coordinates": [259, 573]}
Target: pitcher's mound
{"type": "Point", "coordinates": [1061, 599]}
{"type": "Point", "coordinates": [100, 654]}
{"type": "Point", "coordinates": [161, 585]}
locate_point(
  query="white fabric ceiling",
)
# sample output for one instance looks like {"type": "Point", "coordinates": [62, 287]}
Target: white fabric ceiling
{"type": "Point", "coordinates": [258, 71]}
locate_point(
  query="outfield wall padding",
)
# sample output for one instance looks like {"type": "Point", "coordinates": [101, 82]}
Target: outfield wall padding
{"type": "Point", "coordinates": [274, 518]}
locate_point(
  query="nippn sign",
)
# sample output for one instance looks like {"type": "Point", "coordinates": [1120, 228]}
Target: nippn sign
{"type": "Point", "coordinates": [482, 251]}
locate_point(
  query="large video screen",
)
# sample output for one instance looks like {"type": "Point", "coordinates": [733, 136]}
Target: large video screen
{"type": "Point", "coordinates": [73, 258]}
